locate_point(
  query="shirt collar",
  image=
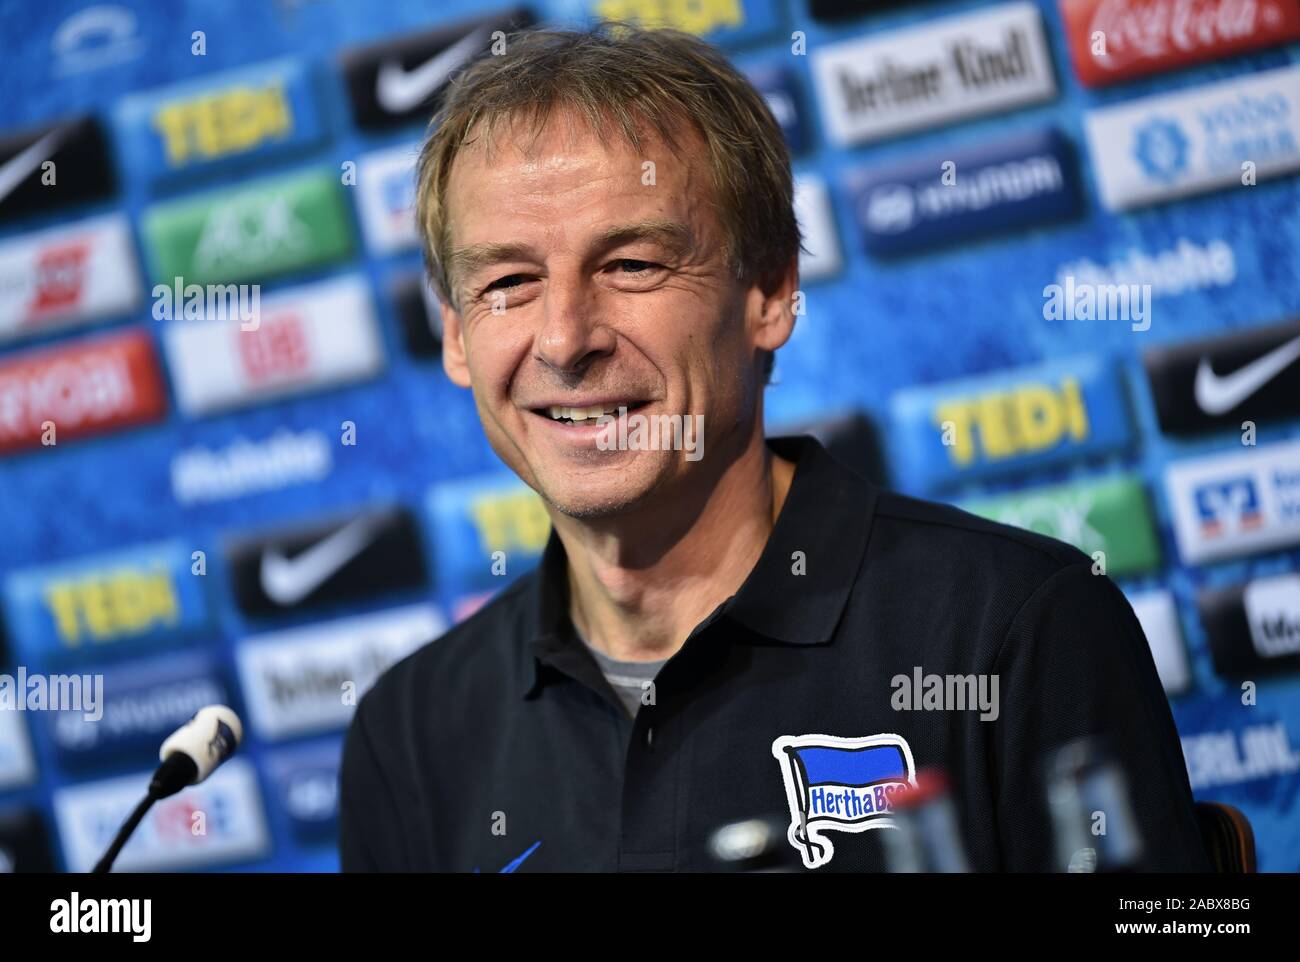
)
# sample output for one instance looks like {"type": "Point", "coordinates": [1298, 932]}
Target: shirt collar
{"type": "Point", "coordinates": [796, 592]}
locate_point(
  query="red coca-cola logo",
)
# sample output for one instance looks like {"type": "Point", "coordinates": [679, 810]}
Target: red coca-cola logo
{"type": "Point", "coordinates": [1114, 39]}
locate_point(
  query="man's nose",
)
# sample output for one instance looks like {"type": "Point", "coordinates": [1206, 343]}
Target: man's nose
{"type": "Point", "coordinates": [572, 333]}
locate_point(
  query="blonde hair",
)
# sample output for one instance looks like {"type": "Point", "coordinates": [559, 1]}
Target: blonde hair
{"type": "Point", "coordinates": [617, 76]}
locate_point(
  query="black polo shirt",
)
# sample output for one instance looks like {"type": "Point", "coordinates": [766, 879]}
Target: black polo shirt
{"type": "Point", "coordinates": [500, 746]}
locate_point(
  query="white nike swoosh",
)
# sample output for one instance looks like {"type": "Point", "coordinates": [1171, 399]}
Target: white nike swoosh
{"type": "Point", "coordinates": [288, 582]}
{"type": "Point", "coordinates": [399, 90]}
{"type": "Point", "coordinates": [1219, 395]}
{"type": "Point", "coordinates": [19, 167]}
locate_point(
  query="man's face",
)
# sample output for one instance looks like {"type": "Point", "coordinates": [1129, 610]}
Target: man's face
{"type": "Point", "coordinates": [585, 282]}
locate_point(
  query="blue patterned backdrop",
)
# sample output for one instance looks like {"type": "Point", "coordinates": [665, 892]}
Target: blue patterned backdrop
{"type": "Point", "coordinates": [873, 327]}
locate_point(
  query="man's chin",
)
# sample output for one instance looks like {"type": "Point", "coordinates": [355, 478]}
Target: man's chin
{"type": "Point", "coordinates": [591, 505]}
{"type": "Point", "coordinates": [589, 496]}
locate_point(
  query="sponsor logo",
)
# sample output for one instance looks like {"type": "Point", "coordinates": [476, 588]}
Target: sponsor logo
{"type": "Point", "coordinates": [201, 475]}
{"type": "Point", "coordinates": [53, 167]}
{"type": "Point", "coordinates": [1253, 629]}
{"type": "Point", "coordinates": [958, 67]}
{"type": "Point", "coordinates": [86, 387]}
{"type": "Point", "coordinates": [251, 112]}
{"type": "Point", "coordinates": [514, 863]}
{"type": "Point", "coordinates": [309, 679]}
{"type": "Point", "coordinates": [698, 17]}
{"type": "Point", "coordinates": [398, 90]}
{"type": "Point", "coordinates": [1217, 382]}
{"type": "Point", "coordinates": [486, 531]}
{"type": "Point", "coordinates": [401, 81]}
{"type": "Point", "coordinates": [1109, 520]}
{"type": "Point", "coordinates": [96, 37]}
{"type": "Point", "coordinates": [386, 198]}
{"type": "Point", "coordinates": [1186, 267]}
{"type": "Point", "coordinates": [305, 783]}
{"type": "Point", "coordinates": [1016, 183]}
{"type": "Point", "coordinates": [1227, 506]}
{"type": "Point", "coordinates": [17, 765]}
{"type": "Point", "coordinates": [144, 703]}
{"type": "Point", "coordinates": [1234, 504]}
{"type": "Point", "coordinates": [1158, 616]}
{"type": "Point", "coordinates": [1273, 614]}
{"type": "Point", "coordinates": [1215, 394]}
{"type": "Point", "coordinates": [67, 275]}
{"type": "Point", "coordinates": [1147, 36]}
{"type": "Point", "coordinates": [218, 821]}
{"type": "Point", "coordinates": [308, 338]}
{"type": "Point", "coordinates": [363, 556]}
{"type": "Point", "coordinates": [1175, 145]}
{"type": "Point", "coordinates": [1244, 755]}
{"type": "Point", "coordinates": [778, 89]}
{"type": "Point", "coordinates": [991, 424]}
{"type": "Point", "coordinates": [146, 593]}
{"type": "Point", "coordinates": [812, 209]}
{"type": "Point", "coordinates": [837, 784]}
{"type": "Point", "coordinates": [252, 231]}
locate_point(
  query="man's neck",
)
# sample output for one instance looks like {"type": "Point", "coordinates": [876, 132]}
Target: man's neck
{"type": "Point", "coordinates": [638, 587]}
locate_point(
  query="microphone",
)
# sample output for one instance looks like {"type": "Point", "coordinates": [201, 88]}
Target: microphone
{"type": "Point", "coordinates": [753, 845]}
{"type": "Point", "coordinates": [189, 755]}
{"type": "Point", "coordinates": [1091, 809]}
{"type": "Point", "coordinates": [927, 836]}
{"type": "Point", "coordinates": [193, 752]}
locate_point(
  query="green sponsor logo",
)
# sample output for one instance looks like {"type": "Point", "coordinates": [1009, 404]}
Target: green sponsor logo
{"type": "Point", "coordinates": [1112, 516]}
{"type": "Point", "coordinates": [255, 230]}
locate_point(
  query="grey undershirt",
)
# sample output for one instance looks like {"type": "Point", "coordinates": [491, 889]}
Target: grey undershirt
{"type": "Point", "coordinates": [627, 678]}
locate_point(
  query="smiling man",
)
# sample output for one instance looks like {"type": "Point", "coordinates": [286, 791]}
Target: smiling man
{"type": "Point", "coordinates": [712, 634]}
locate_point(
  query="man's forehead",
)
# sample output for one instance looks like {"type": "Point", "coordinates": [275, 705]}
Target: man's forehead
{"type": "Point", "coordinates": [517, 148]}
{"type": "Point", "coordinates": [661, 175]}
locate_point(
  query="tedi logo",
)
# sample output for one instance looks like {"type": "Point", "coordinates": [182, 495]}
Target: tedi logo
{"type": "Point", "coordinates": [132, 916]}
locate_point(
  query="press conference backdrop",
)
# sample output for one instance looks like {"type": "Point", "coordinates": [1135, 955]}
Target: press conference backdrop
{"type": "Point", "coordinates": [175, 494]}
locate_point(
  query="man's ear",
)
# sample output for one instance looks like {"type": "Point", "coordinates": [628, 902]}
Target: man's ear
{"type": "Point", "coordinates": [774, 298]}
{"type": "Point", "coordinates": [453, 345]}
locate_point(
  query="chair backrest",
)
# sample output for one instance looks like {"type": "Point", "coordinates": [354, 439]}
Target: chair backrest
{"type": "Point", "coordinates": [1229, 839]}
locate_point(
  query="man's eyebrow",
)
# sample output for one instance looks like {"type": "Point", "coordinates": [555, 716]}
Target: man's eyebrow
{"type": "Point", "coordinates": [466, 261]}
{"type": "Point", "coordinates": [673, 235]}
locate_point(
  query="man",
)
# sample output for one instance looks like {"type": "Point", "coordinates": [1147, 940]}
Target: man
{"type": "Point", "coordinates": [716, 630]}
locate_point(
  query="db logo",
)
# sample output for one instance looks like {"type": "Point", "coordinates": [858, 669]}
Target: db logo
{"type": "Point", "coordinates": [60, 273]}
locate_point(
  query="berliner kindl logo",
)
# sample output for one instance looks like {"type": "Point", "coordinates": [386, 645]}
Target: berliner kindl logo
{"type": "Point", "coordinates": [840, 785]}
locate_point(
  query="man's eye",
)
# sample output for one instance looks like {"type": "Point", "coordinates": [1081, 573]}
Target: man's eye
{"type": "Point", "coordinates": [630, 266]}
{"type": "Point", "coordinates": [510, 280]}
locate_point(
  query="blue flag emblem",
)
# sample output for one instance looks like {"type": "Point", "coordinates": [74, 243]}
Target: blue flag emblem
{"type": "Point", "coordinates": [840, 785]}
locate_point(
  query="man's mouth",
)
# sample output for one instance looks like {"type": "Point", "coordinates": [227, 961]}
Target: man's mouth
{"type": "Point", "coordinates": [566, 414]}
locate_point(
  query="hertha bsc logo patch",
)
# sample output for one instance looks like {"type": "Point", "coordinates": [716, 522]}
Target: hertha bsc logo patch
{"type": "Point", "coordinates": [840, 785]}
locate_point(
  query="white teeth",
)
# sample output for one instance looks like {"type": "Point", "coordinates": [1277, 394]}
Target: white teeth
{"type": "Point", "coordinates": [581, 414]}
